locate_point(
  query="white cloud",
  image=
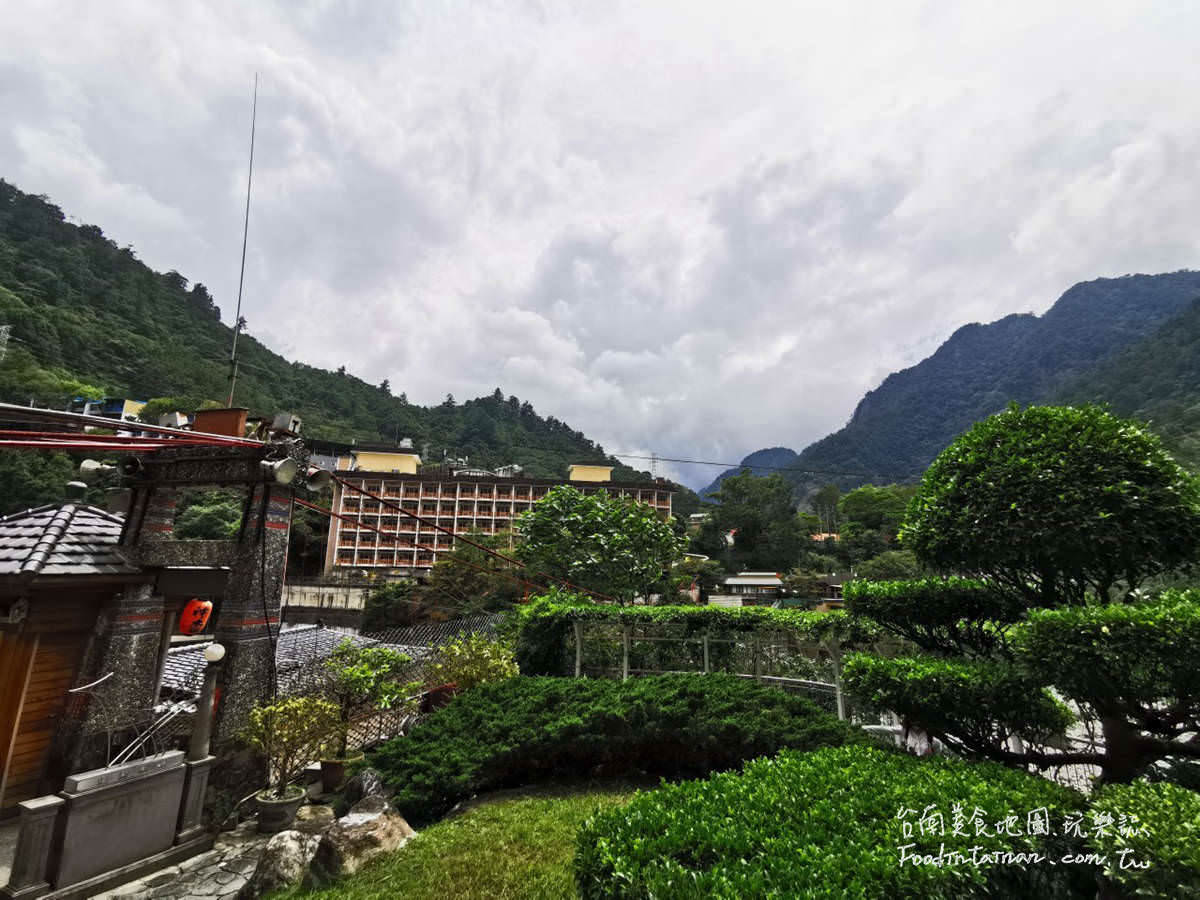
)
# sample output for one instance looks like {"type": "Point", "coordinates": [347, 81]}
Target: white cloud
{"type": "Point", "coordinates": [694, 228]}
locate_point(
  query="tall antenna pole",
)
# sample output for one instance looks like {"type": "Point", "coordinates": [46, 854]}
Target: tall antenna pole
{"type": "Point", "coordinates": [237, 320]}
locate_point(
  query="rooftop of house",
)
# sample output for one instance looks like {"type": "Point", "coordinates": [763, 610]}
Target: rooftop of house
{"type": "Point", "coordinates": [762, 579]}
{"type": "Point", "coordinates": [71, 539]}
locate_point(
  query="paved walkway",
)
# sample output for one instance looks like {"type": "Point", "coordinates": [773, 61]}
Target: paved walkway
{"type": "Point", "coordinates": [219, 873]}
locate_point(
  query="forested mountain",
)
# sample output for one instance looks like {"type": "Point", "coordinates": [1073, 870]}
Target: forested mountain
{"type": "Point", "coordinates": [89, 319]}
{"type": "Point", "coordinates": [1156, 380]}
{"type": "Point", "coordinates": [1100, 342]}
{"type": "Point", "coordinates": [760, 462]}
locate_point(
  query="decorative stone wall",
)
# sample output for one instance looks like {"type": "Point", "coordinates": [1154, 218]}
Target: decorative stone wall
{"type": "Point", "coordinates": [249, 618]}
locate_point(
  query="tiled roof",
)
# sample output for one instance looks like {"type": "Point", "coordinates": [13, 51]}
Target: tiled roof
{"type": "Point", "coordinates": [71, 539]}
{"type": "Point", "coordinates": [299, 653]}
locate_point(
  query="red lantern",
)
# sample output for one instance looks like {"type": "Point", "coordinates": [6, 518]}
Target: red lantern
{"type": "Point", "coordinates": [195, 616]}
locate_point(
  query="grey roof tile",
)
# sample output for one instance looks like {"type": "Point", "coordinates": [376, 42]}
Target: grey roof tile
{"type": "Point", "coordinates": [71, 539]}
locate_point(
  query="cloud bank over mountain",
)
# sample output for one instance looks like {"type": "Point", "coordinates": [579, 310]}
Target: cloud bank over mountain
{"type": "Point", "coordinates": [695, 229]}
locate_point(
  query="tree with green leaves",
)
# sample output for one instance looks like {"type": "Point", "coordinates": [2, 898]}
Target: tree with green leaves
{"type": "Point", "coordinates": [606, 544]}
{"type": "Point", "coordinates": [825, 505]}
{"type": "Point", "coordinates": [362, 679]}
{"type": "Point", "coordinates": [470, 580]}
{"type": "Point", "coordinates": [761, 515]}
{"type": "Point", "coordinates": [1058, 514]}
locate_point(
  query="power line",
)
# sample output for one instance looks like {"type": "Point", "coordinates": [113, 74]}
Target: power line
{"type": "Point", "coordinates": [655, 458]}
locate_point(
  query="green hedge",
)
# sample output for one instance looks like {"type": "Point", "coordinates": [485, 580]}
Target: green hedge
{"type": "Point", "coordinates": [524, 730]}
{"type": "Point", "coordinates": [545, 626]}
{"type": "Point", "coordinates": [1166, 835]}
{"type": "Point", "coordinates": [1120, 658]}
{"type": "Point", "coordinates": [984, 702]}
{"type": "Point", "coordinates": [825, 824]}
{"type": "Point", "coordinates": [941, 614]}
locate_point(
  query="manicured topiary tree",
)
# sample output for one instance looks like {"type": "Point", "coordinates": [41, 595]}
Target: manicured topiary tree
{"type": "Point", "coordinates": [1059, 515]}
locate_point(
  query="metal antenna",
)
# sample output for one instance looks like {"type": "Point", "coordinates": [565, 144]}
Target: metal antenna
{"type": "Point", "coordinates": [237, 319]}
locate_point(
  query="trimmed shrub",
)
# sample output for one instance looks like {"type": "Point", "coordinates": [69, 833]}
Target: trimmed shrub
{"type": "Point", "coordinates": [827, 824]}
{"type": "Point", "coordinates": [1122, 659]}
{"type": "Point", "coordinates": [971, 704]}
{"type": "Point", "coordinates": [1155, 824]}
{"type": "Point", "coordinates": [525, 730]}
{"type": "Point", "coordinates": [942, 614]}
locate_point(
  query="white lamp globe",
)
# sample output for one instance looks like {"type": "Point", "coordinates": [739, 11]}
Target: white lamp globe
{"type": "Point", "coordinates": [214, 652]}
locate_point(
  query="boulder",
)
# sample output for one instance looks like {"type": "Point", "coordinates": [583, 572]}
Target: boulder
{"type": "Point", "coordinates": [314, 819]}
{"type": "Point", "coordinates": [372, 827]}
{"type": "Point", "coordinates": [283, 862]}
{"type": "Point", "coordinates": [367, 783]}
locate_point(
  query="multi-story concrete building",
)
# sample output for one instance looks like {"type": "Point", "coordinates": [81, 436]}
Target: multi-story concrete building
{"type": "Point", "coordinates": [461, 501]}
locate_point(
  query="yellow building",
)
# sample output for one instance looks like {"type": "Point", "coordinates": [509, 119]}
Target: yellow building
{"type": "Point", "coordinates": [589, 473]}
{"type": "Point", "coordinates": [396, 463]}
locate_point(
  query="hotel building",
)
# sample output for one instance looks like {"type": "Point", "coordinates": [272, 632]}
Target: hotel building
{"type": "Point", "coordinates": [460, 500]}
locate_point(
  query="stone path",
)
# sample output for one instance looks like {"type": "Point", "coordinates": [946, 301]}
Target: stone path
{"type": "Point", "coordinates": [219, 873]}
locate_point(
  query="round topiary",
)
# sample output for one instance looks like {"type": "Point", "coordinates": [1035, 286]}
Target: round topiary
{"type": "Point", "coordinates": [1058, 504]}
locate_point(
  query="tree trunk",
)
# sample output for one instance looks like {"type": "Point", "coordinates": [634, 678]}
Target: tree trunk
{"type": "Point", "coordinates": [1122, 754]}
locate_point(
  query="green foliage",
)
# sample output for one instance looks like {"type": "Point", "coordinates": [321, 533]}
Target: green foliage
{"type": "Point", "coordinates": [826, 503]}
{"type": "Point", "coordinates": [877, 508]}
{"type": "Point", "coordinates": [471, 661]}
{"type": "Point", "coordinates": [1057, 504]}
{"type": "Point", "coordinates": [1125, 660]}
{"type": "Point", "coordinates": [209, 515]}
{"type": "Point", "coordinates": [360, 679]}
{"type": "Point", "coordinates": [824, 824]}
{"type": "Point", "coordinates": [1155, 380]}
{"type": "Point", "coordinates": [524, 730]}
{"type": "Point", "coordinates": [507, 847]}
{"type": "Point", "coordinates": [545, 626]}
{"type": "Point", "coordinates": [601, 543]}
{"type": "Point", "coordinates": [390, 605]}
{"type": "Point", "coordinates": [890, 564]}
{"type": "Point", "coordinates": [1164, 825]}
{"type": "Point", "coordinates": [29, 479]}
{"type": "Point", "coordinates": [973, 706]}
{"type": "Point", "coordinates": [940, 615]}
{"type": "Point", "coordinates": [289, 733]}
{"type": "Point", "coordinates": [470, 581]}
{"type": "Point", "coordinates": [762, 512]}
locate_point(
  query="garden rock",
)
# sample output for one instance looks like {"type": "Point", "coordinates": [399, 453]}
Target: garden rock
{"type": "Point", "coordinates": [284, 861]}
{"type": "Point", "coordinates": [370, 828]}
{"type": "Point", "coordinates": [314, 819]}
{"type": "Point", "coordinates": [367, 783]}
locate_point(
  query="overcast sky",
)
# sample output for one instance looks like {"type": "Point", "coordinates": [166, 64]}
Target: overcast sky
{"type": "Point", "coordinates": [698, 229]}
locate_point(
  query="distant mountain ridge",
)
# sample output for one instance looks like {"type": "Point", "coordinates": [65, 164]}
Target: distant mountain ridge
{"type": "Point", "coordinates": [1081, 349]}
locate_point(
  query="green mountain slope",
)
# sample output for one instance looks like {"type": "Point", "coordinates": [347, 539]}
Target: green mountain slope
{"type": "Point", "coordinates": [1156, 380]}
{"type": "Point", "coordinates": [88, 318]}
{"type": "Point", "coordinates": [1072, 351]}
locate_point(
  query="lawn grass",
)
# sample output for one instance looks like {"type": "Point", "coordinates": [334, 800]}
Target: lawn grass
{"type": "Point", "coordinates": [510, 844]}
